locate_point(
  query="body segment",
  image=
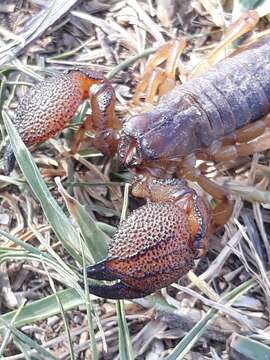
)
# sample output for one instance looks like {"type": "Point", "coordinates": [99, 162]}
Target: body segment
{"type": "Point", "coordinates": [228, 96]}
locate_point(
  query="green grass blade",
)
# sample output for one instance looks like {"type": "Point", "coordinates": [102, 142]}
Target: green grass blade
{"type": "Point", "coordinates": [71, 350]}
{"type": "Point", "coordinates": [125, 347]}
{"type": "Point", "coordinates": [43, 308]}
{"type": "Point", "coordinates": [23, 339]}
{"type": "Point", "coordinates": [32, 30]}
{"type": "Point", "coordinates": [248, 348]}
{"type": "Point", "coordinates": [24, 245]}
{"type": "Point", "coordinates": [197, 331]}
{"type": "Point", "coordinates": [31, 252]}
{"type": "Point", "coordinates": [25, 350]}
{"type": "Point", "coordinates": [89, 311]}
{"type": "Point", "coordinates": [8, 332]}
{"type": "Point", "coordinates": [95, 238]}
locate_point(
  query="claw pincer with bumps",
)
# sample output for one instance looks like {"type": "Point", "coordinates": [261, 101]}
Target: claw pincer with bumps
{"type": "Point", "coordinates": [157, 244]}
{"type": "Point", "coordinates": [50, 105]}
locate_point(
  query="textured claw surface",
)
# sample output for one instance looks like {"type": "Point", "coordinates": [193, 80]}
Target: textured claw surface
{"type": "Point", "coordinates": [45, 110]}
{"type": "Point", "coordinates": [48, 106]}
{"type": "Point", "coordinates": [151, 249]}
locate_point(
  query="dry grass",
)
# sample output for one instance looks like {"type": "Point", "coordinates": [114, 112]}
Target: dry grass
{"type": "Point", "coordinates": [40, 38]}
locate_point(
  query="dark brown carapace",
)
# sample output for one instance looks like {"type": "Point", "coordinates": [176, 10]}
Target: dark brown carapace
{"type": "Point", "coordinates": [205, 110]}
{"type": "Point", "coordinates": [217, 116]}
{"type": "Point", "coordinates": [157, 244]}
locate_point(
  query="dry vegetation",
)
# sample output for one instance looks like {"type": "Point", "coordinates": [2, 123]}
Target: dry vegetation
{"type": "Point", "coordinates": [215, 314]}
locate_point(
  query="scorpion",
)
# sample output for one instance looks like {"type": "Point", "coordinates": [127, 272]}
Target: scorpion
{"type": "Point", "coordinates": [218, 115]}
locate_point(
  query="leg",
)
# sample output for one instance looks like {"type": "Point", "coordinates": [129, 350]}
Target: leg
{"type": "Point", "coordinates": [231, 152]}
{"type": "Point", "coordinates": [80, 133]}
{"type": "Point", "coordinates": [251, 138]}
{"type": "Point", "coordinates": [159, 57]}
{"type": "Point", "coordinates": [251, 131]}
{"type": "Point", "coordinates": [169, 52]}
{"type": "Point", "coordinates": [102, 121]}
{"type": "Point", "coordinates": [258, 139]}
{"type": "Point", "coordinates": [176, 50]}
{"type": "Point", "coordinates": [243, 25]}
{"type": "Point", "coordinates": [155, 79]}
{"type": "Point", "coordinates": [259, 144]}
{"type": "Point", "coordinates": [223, 209]}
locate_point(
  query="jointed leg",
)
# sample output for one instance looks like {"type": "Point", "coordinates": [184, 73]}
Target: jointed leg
{"type": "Point", "coordinates": [80, 133]}
{"type": "Point", "coordinates": [159, 57]}
{"type": "Point", "coordinates": [251, 138]}
{"type": "Point", "coordinates": [155, 79]}
{"type": "Point", "coordinates": [259, 144]}
{"type": "Point", "coordinates": [223, 209]}
{"type": "Point", "coordinates": [162, 79]}
{"type": "Point", "coordinates": [102, 121]}
{"type": "Point", "coordinates": [243, 25]}
{"type": "Point", "coordinates": [176, 50]}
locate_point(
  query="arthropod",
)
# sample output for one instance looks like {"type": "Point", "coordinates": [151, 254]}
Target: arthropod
{"type": "Point", "coordinates": [214, 116]}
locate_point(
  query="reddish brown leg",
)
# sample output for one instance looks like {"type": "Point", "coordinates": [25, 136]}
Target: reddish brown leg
{"type": "Point", "coordinates": [243, 25]}
{"type": "Point", "coordinates": [251, 131]}
{"type": "Point", "coordinates": [231, 152]}
{"type": "Point", "coordinates": [259, 144]}
{"type": "Point", "coordinates": [223, 209]}
{"type": "Point", "coordinates": [176, 50]}
{"type": "Point", "coordinates": [257, 136]}
{"type": "Point", "coordinates": [250, 139]}
{"type": "Point", "coordinates": [102, 121]}
{"type": "Point", "coordinates": [155, 78]}
{"type": "Point", "coordinates": [80, 133]}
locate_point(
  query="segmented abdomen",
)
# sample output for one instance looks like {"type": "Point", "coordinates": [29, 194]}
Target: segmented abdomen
{"type": "Point", "coordinates": [226, 97]}
{"type": "Point", "coordinates": [235, 92]}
